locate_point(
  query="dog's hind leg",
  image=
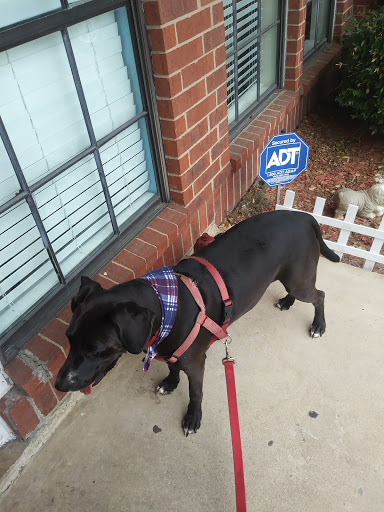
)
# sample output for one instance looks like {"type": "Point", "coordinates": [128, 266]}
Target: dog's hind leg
{"type": "Point", "coordinates": [285, 303]}
{"type": "Point", "coordinates": [304, 289]}
{"type": "Point", "coordinates": [317, 298]}
{"type": "Point", "coordinates": [170, 383]}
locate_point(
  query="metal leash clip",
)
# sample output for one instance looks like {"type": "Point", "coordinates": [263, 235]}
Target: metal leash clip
{"type": "Point", "coordinates": [227, 341]}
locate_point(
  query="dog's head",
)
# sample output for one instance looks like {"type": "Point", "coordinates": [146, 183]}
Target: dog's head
{"type": "Point", "coordinates": [101, 330]}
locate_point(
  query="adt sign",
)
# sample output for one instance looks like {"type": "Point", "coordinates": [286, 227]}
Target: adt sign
{"type": "Point", "coordinates": [283, 159]}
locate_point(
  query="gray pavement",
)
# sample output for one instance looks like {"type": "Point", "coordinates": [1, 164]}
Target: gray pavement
{"type": "Point", "coordinates": [106, 456]}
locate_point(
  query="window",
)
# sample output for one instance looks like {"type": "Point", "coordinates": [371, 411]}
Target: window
{"type": "Point", "coordinates": [79, 167]}
{"type": "Point", "coordinates": [316, 25]}
{"type": "Point", "coordinates": [252, 42]}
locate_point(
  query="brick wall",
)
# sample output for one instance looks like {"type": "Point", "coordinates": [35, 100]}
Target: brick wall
{"type": "Point", "coordinates": [207, 174]}
{"type": "Point", "coordinates": [188, 55]}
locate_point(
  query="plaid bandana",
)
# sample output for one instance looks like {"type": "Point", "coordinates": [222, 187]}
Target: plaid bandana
{"type": "Point", "coordinates": [164, 282]}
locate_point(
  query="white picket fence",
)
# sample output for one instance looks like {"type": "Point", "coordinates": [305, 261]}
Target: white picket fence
{"type": "Point", "coordinates": [347, 226]}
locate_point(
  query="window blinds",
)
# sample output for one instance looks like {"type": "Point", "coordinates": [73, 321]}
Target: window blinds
{"type": "Point", "coordinates": [42, 113]}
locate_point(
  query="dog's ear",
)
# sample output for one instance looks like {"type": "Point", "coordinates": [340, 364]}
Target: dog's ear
{"type": "Point", "coordinates": [134, 325]}
{"type": "Point", "coordinates": [87, 286]}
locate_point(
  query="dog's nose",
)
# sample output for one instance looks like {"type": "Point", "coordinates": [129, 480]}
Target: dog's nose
{"type": "Point", "coordinates": [64, 381]}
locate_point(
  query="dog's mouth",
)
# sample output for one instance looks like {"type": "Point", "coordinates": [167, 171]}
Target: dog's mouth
{"type": "Point", "coordinates": [88, 389]}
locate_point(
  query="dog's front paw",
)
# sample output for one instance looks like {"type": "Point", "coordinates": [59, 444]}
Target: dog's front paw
{"type": "Point", "coordinates": [168, 385]}
{"type": "Point", "coordinates": [192, 422]}
{"type": "Point", "coordinates": [317, 330]}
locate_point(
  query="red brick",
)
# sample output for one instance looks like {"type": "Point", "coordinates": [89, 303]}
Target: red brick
{"type": "Point", "coordinates": [168, 257]}
{"type": "Point", "coordinates": [218, 115]}
{"type": "Point", "coordinates": [197, 70]}
{"type": "Point", "coordinates": [210, 209]}
{"type": "Point", "coordinates": [297, 4]}
{"type": "Point", "coordinates": [117, 273]}
{"type": "Point", "coordinates": [65, 314]}
{"type": "Point", "coordinates": [187, 239]}
{"type": "Point", "coordinates": [137, 264]}
{"type": "Point", "coordinates": [203, 219]}
{"type": "Point", "coordinates": [201, 110]}
{"type": "Point", "coordinates": [178, 249]}
{"type": "Point", "coordinates": [203, 146]}
{"type": "Point", "coordinates": [219, 148]}
{"type": "Point", "coordinates": [47, 352]}
{"type": "Point", "coordinates": [45, 400]}
{"type": "Point", "coordinates": [23, 415]}
{"type": "Point", "coordinates": [145, 250]}
{"type": "Point", "coordinates": [174, 215]}
{"type": "Point", "coordinates": [217, 13]}
{"type": "Point", "coordinates": [217, 79]}
{"type": "Point", "coordinates": [184, 197]}
{"type": "Point", "coordinates": [162, 39]}
{"type": "Point", "coordinates": [161, 12]}
{"type": "Point", "coordinates": [22, 376]}
{"type": "Point", "coordinates": [296, 17]}
{"type": "Point", "coordinates": [174, 108]}
{"type": "Point", "coordinates": [193, 25]}
{"type": "Point", "coordinates": [55, 331]}
{"type": "Point", "coordinates": [174, 128]}
{"type": "Point", "coordinates": [206, 177]}
{"type": "Point", "coordinates": [295, 45]}
{"type": "Point", "coordinates": [222, 93]}
{"type": "Point", "coordinates": [174, 60]}
{"type": "Point", "coordinates": [183, 182]}
{"type": "Point", "coordinates": [182, 144]}
{"type": "Point", "coordinates": [214, 38]}
{"type": "Point", "coordinates": [220, 56]}
{"type": "Point", "coordinates": [160, 240]}
{"type": "Point", "coordinates": [104, 282]}
{"type": "Point", "coordinates": [168, 87]}
{"type": "Point", "coordinates": [165, 227]}
{"type": "Point", "coordinates": [177, 165]}
{"type": "Point", "coordinates": [206, 2]}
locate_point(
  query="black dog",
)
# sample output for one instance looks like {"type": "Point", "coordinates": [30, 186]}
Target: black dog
{"type": "Point", "coordinates": [280, 245]}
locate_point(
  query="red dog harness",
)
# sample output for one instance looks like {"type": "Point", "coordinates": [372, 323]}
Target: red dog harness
{"type": "Point", "coordinates": [202, 320]}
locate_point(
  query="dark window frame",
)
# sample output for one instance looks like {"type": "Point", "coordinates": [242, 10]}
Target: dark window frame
{"type": "Point", "coordinates": [330, 24]}
{"type": "Point", "coordinates": [262, 99]}
{"type": "Point", "coordinates": [27, 30]}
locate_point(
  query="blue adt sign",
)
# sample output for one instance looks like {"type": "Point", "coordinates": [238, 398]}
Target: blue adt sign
{"type": "Point", "coordinates": [283, 159]}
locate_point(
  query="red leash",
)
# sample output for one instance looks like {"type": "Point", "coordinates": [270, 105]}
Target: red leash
{"type": "Point", "coordinates": [228, 363]}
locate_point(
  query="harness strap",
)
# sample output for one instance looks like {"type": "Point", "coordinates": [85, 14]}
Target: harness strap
{"type": "Point", "coordinates": [222, 288]}
{"type": "Point", "coordinates": [202, 320]}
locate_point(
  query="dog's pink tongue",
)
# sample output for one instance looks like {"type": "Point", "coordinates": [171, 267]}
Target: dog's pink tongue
{"type": "Point", "coordinates": [87, 390]}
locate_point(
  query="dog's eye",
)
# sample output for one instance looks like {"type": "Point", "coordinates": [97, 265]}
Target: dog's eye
{"type": "Point", "coordinates": [91, 353]}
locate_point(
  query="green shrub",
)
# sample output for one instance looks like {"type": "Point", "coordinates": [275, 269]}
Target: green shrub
{"type": "Point", "coordinates": [361, 89]}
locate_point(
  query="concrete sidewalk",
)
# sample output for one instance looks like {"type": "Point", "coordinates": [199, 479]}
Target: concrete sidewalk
{"type": "Point", "coordinates": [122, 448]}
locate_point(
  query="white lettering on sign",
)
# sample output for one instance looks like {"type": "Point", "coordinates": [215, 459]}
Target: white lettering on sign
{"type": "Point", "coordinates": [283, 156]}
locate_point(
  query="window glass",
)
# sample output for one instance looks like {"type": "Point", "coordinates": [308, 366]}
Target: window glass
{"type": "Point", "coordinates": [9, 184]}
{"type": "Point", "coordinates": [248, 75]}
{"type": "Point", "coordinates": [252, 53]}
{"type": "Point", "coordinates": [40, 107]}
{"type": "Point", "coordinates": [128, 172]}
{"type": "Point", "coordinates": [269, 12]}
{"type": "Point", "coordinates": [74, 213]}
{"type": "Point", "coordinates": [88, 183]}
{"type": "Point", "coordinates": [13, 11]}
{"type": "Point", "coordinates": [268, 59]}
{"type": "Point", "coordinates": [26, 272]}
{"type": "Point", "coordinates": [103, 52]}
{"type": "Point", "coordinates": [316, 24]}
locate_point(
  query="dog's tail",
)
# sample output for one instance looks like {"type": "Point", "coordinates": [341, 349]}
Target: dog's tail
{"type": "Point", "coordinates": [324, 249]}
